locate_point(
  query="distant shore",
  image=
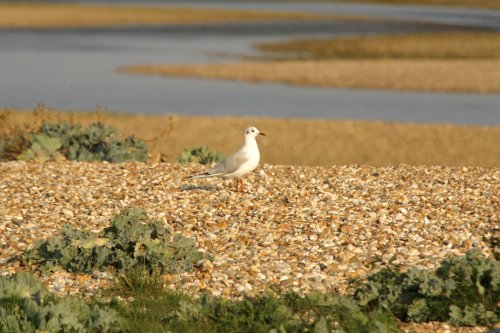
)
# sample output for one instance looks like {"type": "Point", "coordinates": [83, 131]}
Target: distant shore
{"type": "Point", "coordinates": [63, 15]}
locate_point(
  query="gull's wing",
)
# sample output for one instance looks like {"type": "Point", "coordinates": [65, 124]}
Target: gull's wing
{"type": "Point", "coordinates": [229, 165]}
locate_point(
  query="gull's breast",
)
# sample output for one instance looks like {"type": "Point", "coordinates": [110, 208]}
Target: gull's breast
{"type": "Point", "coordinates": [246, 167]}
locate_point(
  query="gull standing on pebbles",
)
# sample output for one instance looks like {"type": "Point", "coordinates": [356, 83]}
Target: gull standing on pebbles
{"type": "Point", "coordinates": [240, 163]}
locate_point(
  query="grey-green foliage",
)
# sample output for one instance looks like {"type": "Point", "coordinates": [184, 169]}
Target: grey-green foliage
{"type": "Point", "coordinates": [43, 148]}
{"type": "Point", "coordinates": [329, 310]}
{"type": "Point", "coordinates": [95, 142]}
{"type": "Point", "coordinates": [29, 307]}
{"type": "Point", "coordinates": [463, 291]}
{"type": "Point", "coordinates": [132, 241]}
{"type": "Point", "coordinates": [201, 155]}
{"type": "Point", "coordinates": [154, 309]}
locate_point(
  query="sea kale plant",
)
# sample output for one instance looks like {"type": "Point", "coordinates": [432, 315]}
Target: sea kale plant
{"type": "Point", "coordinates": [462, 291]}
{"type": "Point", "coordinates": [27, 306]}
{"type": "Point", "coordinates": [95, 142]}
{"type": "Point", "coordinates": [133, 241]}
{"type": "Point", "coordinates": [200, 155]}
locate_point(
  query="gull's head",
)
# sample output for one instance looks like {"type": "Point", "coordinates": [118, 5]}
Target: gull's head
{"type": "Point", "coordinates": [252, 132]}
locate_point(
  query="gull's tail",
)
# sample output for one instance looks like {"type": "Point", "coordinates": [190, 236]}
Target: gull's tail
{"type": "Point", "coordinates": [200, 175]}
{"type": "Point", "coordinates": [203, 175]}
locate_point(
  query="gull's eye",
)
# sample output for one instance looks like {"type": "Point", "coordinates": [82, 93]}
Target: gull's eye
{"type": "Point", "coordinates": [253, 131]}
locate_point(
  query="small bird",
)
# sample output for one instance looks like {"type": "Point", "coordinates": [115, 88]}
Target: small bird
{"type": "Point", "coordinates": [240, 163]}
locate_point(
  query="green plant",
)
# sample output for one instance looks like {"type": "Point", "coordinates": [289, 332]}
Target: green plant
{"type": "Point", "coordinates": [132, 241]}
{"type": "Point", "coordinates": [29, 307]}
{"type": "Point", "coordinates": [95, 142]}
{"type": "Point", "coordinates": [201, 155]}
{"type": "Point", "coordinates": [157, 309]}
{"type": "Point", "coordinates": [462, 291]}
{"type": "Point", "coordinates": [43, 148]}
{"type": "Point", "coordinates": [153, 307]}
{"type": "Point", "coordinates": [466, 288]}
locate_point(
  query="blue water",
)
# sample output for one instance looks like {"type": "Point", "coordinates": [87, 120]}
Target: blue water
{"type": "Point", "coordinates": [76, 70]}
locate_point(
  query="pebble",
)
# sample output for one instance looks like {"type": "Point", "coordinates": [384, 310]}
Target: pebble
{"type": "Point", "coordinates": [303, 228]}
{"type": "Point", "coordinates": [68, 213]}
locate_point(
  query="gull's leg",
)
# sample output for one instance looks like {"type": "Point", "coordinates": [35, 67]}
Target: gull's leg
{"type": "Point", "coordinates": [236, 182]}
{"type": "Point", "coordinates": [242, 186]}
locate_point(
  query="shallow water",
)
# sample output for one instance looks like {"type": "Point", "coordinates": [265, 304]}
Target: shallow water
{"type": "Point", "coordinates": [75, 70]}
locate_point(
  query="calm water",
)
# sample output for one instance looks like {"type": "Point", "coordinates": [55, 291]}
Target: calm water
{"type": "Point", "coordinates": [75, 70]}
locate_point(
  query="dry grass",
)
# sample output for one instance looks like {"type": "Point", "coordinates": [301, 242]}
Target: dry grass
{"type": "Point", "coordinates": [83, 15]}
{"type": "Point", "coordinates": [301, 142]}
{"type": "Point", "coordinates": [451, 45]}
{"type": "Point", "coordinates": [482, 76]}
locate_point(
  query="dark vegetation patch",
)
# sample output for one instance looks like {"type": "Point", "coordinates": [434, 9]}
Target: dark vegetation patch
{"type": "Point", "coordinates": [163, 310]}
{"type": "Point", "coordinates": [27, 306]}
{"type": "Point", "coordinates": [96, 142]}
{"type": "Point", "coordinates": [462, 291]}
{"type": "Point", "coordinates": [132, 241]}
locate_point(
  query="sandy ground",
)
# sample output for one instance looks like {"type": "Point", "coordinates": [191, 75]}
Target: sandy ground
{"type": "Point", "coordinates": [481, 76]}
{"type": "Point", "coordinates": [450, 45]}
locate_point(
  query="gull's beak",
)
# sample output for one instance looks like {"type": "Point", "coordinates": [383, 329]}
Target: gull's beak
{"type": "Point", "coordinates": [262, 133]}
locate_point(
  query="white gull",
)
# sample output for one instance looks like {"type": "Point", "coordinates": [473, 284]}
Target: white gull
{"type": "Point", "coordinates": [240, 163]}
